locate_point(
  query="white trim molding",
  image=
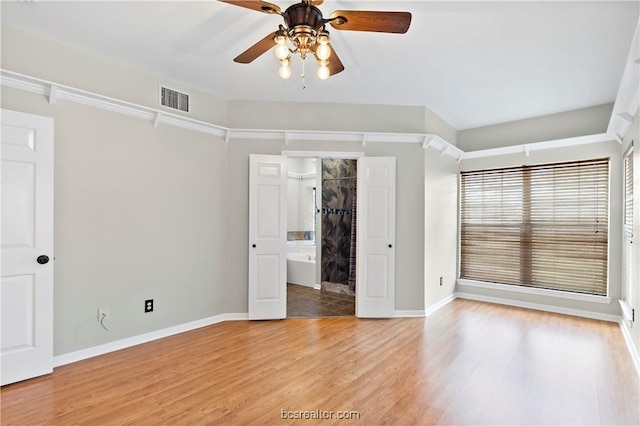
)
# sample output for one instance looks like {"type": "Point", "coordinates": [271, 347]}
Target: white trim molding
{"type": "Point", "coordinates": [68, 358]}
{"type": "Point", "coordinates": [628, 313]}
{"type": "Point", "coordinates": [539, 307]}
{"type": "Point", "coordinates": [633, 351]}
{"type": "Point", "coordinates": [537, 291]}
{"type": "Point", "coordinates": [627, 99]}
{"type": "Point", "coordinates": [54, 92]}
{"type": "Point", "coordinates": [436, 306]}
{"type": "Point", "coordinates": [528, 148]}
{"type": "Point", "coordinates": [323, 154]}
{"type": "Point", "coordinates": [408, 314]}
{"type": "Point", "coordinates": [61, 92]}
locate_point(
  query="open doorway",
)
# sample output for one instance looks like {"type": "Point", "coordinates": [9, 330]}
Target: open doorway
{"type": "Point", "coordinates": [267, 286]}
{"type": "Point", "coordinates": [321, 236]}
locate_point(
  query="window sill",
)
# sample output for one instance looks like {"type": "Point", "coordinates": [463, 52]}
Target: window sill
{"type": "Point", "coordinates": [536, 291]}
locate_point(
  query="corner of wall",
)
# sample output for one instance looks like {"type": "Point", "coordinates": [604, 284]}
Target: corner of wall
{"type": "Point", "coordinates": [441, 228]}
{"type": "Point", "coordinates": [436, 125]}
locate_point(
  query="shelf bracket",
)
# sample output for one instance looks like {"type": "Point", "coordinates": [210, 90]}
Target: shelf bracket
{"type": "Point", "coordinates": [428, 140]}
{"type": "Point", "coordinates": [53, 94]}
{"type": "Point", "coordinates": [626, 117]}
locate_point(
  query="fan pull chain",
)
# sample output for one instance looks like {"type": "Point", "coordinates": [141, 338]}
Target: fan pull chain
{"type": "Point", "coordinates": [303, 76]}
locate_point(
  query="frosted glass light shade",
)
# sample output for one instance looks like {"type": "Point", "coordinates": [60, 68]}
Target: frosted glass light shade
{"type": "Point", "coordinates": [281, 51]}
{"type": "Point", "coordinates": [323, 52]}
{"type": "Point", "coordinates": [284, 71]}
{"type": "Point", "coordinates": [323, 72]}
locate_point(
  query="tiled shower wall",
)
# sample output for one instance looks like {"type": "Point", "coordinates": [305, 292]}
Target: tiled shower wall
{"type": "Point", "coordinates": [338, 188]}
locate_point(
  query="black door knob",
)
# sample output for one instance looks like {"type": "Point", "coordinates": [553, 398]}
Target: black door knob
{"type": "Point", "coordinates": [43, 259]}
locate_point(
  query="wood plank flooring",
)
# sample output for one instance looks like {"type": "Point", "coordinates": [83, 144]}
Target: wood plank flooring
{"type": "Point", "coordinates": [468, 363]}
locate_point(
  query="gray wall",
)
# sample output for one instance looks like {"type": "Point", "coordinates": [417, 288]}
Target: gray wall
{"type": "Point", "coordinates": [139, 213]}
{"type": "Point", "coordinates": [316, 116]}
{"type": "Point", "coordinates": [162, 213]}
{"type": "Point", "coordinates": [441, 226]}
{"type": "Point", "coordinates": [409, 214]}
{"type": "Point", "coordinates": [32, 55]}
{"type": "Point", "coordinates": [581, 122]}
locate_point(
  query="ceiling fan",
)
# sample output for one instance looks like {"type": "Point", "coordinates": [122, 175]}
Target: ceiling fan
{"type": "Point", "coordinates": [304, 31]}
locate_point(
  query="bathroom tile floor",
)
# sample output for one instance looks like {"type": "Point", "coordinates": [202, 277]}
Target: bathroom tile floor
{"type": "Point", "coordinates": [306, 302]}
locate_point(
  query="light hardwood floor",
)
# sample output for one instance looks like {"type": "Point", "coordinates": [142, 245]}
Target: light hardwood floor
{"type": "Point", "coordinates": [468, 363]}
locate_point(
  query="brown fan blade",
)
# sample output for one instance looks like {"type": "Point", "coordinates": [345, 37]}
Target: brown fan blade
{"type": "Point", "coordinates": [256, 50]}
{"type": "Point", "coordinates": [260, 6]}
{"type": "Point", "coordinates": [363, 20]}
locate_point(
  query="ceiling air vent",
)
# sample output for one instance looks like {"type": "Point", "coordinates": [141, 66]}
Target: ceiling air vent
{"type": "Point", "coordinates": [174, 99]}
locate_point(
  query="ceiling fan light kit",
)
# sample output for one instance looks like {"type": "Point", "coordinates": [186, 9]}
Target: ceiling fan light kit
{"type": "Point", "coordinates": [304, 31]}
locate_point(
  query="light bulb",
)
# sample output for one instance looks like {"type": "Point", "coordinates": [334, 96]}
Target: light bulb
{"type": "Point", "coordinates": [323, 52]}
{"type": "Point", "coordinates": [323, 71]}
{"type": "Point", "coordinates": [284, 71]}
{"type": "Point", "coordinates": [281, 51]}
{"type": "Point", "coordinates": [280, 39]}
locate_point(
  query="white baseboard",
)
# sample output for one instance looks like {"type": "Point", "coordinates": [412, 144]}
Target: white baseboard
{"type": "Point", "coordinates": [143, 338]}
{"type": "Point", "coordinates": [635, 357]}
{"type": "Point", "coordinates": [308, 285]}
{"type": "Point", "coordinates": [408, 314]}
{"type": "Point", "coordinates": [431, 309]}
{"type": "Point", "coordinates": [539, 307]}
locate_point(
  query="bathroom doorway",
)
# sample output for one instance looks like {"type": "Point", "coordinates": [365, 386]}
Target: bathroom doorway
{"type": "Point", "coordinates": [321, 236]}
{"type": "Point", "coordinates": [376, 186]}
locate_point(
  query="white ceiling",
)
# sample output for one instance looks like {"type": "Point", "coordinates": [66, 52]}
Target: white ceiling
{"type": "Point", "coordinates": [473, 63]}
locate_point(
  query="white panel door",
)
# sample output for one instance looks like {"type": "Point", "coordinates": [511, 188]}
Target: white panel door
{"type": "Point", "coordinates": [26, 287]}
{"type": "Point", "coordinates": [375, 289]}
{"type": "Point", "coordinates": [267, 237]}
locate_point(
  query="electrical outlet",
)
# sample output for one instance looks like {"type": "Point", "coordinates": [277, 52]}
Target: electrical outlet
{"type": "Point", "coordinates": [440, 281]}
{"type": "Point", "coordinates": [148, 305]}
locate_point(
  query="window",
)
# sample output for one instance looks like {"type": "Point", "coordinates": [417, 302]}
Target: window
{"type": "Point", "coordinates": [628, 234]}
{"type": "Point", "coordinates": [543, 226]}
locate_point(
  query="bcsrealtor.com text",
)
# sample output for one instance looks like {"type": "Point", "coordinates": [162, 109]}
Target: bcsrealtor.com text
{"type": "Point", "coordinates": [319, 415]}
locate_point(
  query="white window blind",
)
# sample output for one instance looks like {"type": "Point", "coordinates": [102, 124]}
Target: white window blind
{"type": "Point", "coordinates": [543, 226]}
{"type": "Point", "coordinates": [628, 227]}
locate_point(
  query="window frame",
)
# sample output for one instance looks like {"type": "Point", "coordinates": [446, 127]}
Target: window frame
{"type": "Point", "coordinates": [627, 241]}
{"type": "Point", "coordinates": [523, 288]}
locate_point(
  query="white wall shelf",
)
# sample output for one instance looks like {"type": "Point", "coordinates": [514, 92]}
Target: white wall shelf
{"type": "Point", "coordinates": [55, 92]}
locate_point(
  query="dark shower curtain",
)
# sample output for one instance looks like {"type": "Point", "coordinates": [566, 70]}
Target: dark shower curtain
{"type": "Point", "coordinates": [352, 247]}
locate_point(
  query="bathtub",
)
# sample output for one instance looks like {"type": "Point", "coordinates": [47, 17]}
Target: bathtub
{"type": "Point", "coordinates": [301, 268]}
